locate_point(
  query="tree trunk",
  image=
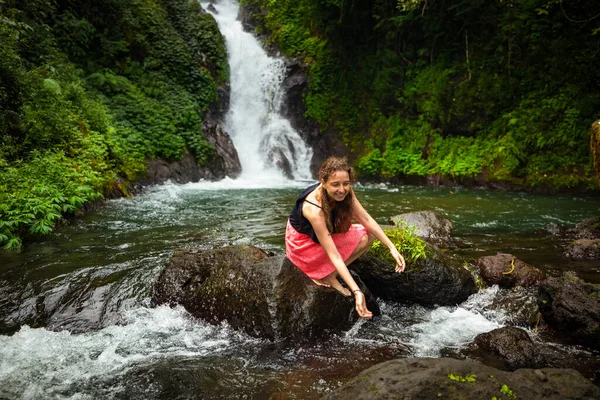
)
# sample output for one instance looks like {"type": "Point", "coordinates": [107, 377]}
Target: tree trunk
{"type": "Point", "coordinates": [595, 146]}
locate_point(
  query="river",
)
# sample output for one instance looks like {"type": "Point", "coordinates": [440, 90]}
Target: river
{"type": "Point", "coordinates": [75, 315]}
{"type": "Point", "coordinates": [76, 321]}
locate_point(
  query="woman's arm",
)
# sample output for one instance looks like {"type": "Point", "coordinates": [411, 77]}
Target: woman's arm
{"type": "Point", "coordinates": [373, 227]}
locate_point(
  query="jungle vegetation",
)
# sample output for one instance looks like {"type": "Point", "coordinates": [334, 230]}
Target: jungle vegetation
{"type": "Point", "coordinates": [502, 90]}
{"type": "Point", "coordinates": [89, 90]}
{"type": "Point", "coordinates": [497, 90]}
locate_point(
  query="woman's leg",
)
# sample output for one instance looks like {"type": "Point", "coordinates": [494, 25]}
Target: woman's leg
{"type": "Point", "coordinates": [320, 282]}
{"type": "Point", "coordinates": [363, 246]}
{"type": "Point", "coordinates": [332, 281]}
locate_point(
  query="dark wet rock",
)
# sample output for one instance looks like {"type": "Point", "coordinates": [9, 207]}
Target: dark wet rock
{"type": "Point", "coordinates": [428, 224]}
{"type": "Point", "coordinates": [225, 161]}
{"type": "Point", "coordinates": [554, 230]}
{"type": "Point", "coordinates": [580, 243]}
{"type": "Point", "coordinates": [498, 270]}
{"type": "Point", "coordinates": [324, 143]}
{"type": "Point", "coordinates": [276, 156]}
{"type": "Point", "coordinates": [306, 310]}
{"type": "Point", "coordinates": [436, 280]}
{"type": "Point", "coordinates": [508, 349]}
{"type": "Point", "coordinates": [251, 16]}
{"type": "Point", "coordinates": [264, 296]}
{"type": "Point", "coordinates": [77, 304]}
{"type": "Point", "coordinates": [295, 85]}
{"type": "Point", "coordinates": [181, 171]}
{"type": "Point", "coordinates": [572, 305]}
{"type": "Point", "coordinates": [433, 378]}
{"type": "Point", "coordinates": [583, 249]}
{"type": "Point", "coordinates": [588, 228]}
{"type": "Point", "coordinates": [518, 304]}
{"type": "Point", "coordinates": [513, 345]}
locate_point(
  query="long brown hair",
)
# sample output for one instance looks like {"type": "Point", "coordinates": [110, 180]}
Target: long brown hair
{"type": "Point", "coordinates": [338, 214]}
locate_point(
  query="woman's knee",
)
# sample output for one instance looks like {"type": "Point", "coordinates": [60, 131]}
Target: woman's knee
{"type": "Point", "coordinates": [365, 242]}
{"type": "Point", "coordinates": [371, 238]}
{"type": "Point", "coordinates": [330, 277]}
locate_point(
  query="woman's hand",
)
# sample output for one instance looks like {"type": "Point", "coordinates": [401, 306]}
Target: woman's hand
{"type": "Point", "coordinates": [361, 305]}
{"type": "Point", "coordinates": [400, 263]}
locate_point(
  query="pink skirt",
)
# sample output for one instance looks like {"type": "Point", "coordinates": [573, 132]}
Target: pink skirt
{"type": "Point", "coordinates": [311, 258]}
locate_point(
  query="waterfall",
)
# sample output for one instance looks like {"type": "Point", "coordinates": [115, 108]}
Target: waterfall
{"type": "Point", "coordinates": [267, 145]}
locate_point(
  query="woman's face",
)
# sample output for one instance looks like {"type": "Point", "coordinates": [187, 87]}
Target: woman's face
{"type": "Point", "coordinates": [338, 185]}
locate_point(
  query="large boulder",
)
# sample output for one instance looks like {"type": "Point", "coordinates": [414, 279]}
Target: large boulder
{"type": "Point", "coordinates": [588, 228]}
{"type": "Point", "coordinates": [518, 305]}
{"type": "Point", "coordinates": [513, 345]}
{"type": "Point", "coordinates": [428, 225]}
{"type": "Point", "coordinates": [508, 271]}
{"type": "Point", "coordinates": [447, 378]}
{"type": "Point", "coordinates": [264, 296]}
{"type": "Point", "coordinates": [572, 305]}
{"type": "Point", "coordinates": [583, 249]}
{"type": "Point", "coordinates": [581, 242]}
{"type": "Point", "coordinates": [437, 280]}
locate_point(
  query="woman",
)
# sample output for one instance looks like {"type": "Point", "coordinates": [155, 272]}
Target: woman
{"type": "Point", "coordinates": [320, 238]}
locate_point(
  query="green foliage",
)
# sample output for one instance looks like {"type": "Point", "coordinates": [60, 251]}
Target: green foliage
{"type": "Point", "coordinates": [412, 247]}
{"type": "Point", "coordinates": [457, 156]}
{"type": "Point", "coordinates": [89, 91]}
{"type": "Point", "coordinates": [35, 195]}
{"type": "Point", "coordinates": [465, 90]}
{"type": "Point", "coordinates": [372, 163]}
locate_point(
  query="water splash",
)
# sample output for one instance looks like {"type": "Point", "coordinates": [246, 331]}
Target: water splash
{"type": "Point", "coordinates": [267, 145]}
{"type": "Point", "coordinates": [426, 332]}
{"type": "Point", "coordinates": [66, 362]}
{"type": "Point", "coordinates": [455, 327]}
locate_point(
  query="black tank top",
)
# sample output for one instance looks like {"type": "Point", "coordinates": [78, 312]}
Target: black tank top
{"type": "Point", "coordinates": [298, 221]}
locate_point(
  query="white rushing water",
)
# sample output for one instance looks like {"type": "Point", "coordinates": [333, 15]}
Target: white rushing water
{"type": "Point", "coordinates": [263, 139]}
{"type": "Point", "coordinates": [455, 327]}
{"type": "Point", "coordinates": [426, 332]}
{"type": "Point", "coordinates": [39, 364]}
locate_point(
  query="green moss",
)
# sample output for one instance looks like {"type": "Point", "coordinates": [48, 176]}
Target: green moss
{"type": "Point", "coordinates": [508, 392]}
{"type": "Point", "coordinates": [457, 378]}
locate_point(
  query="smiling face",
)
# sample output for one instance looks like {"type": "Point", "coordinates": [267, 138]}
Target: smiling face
{"type": "Point", "coordinates": [338, 185]}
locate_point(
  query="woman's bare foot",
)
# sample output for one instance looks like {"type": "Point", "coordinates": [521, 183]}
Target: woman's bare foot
{"type": "Point", "coordinates": [319, 282]}
{"type": "Point", "coordinates": [332, 281]}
